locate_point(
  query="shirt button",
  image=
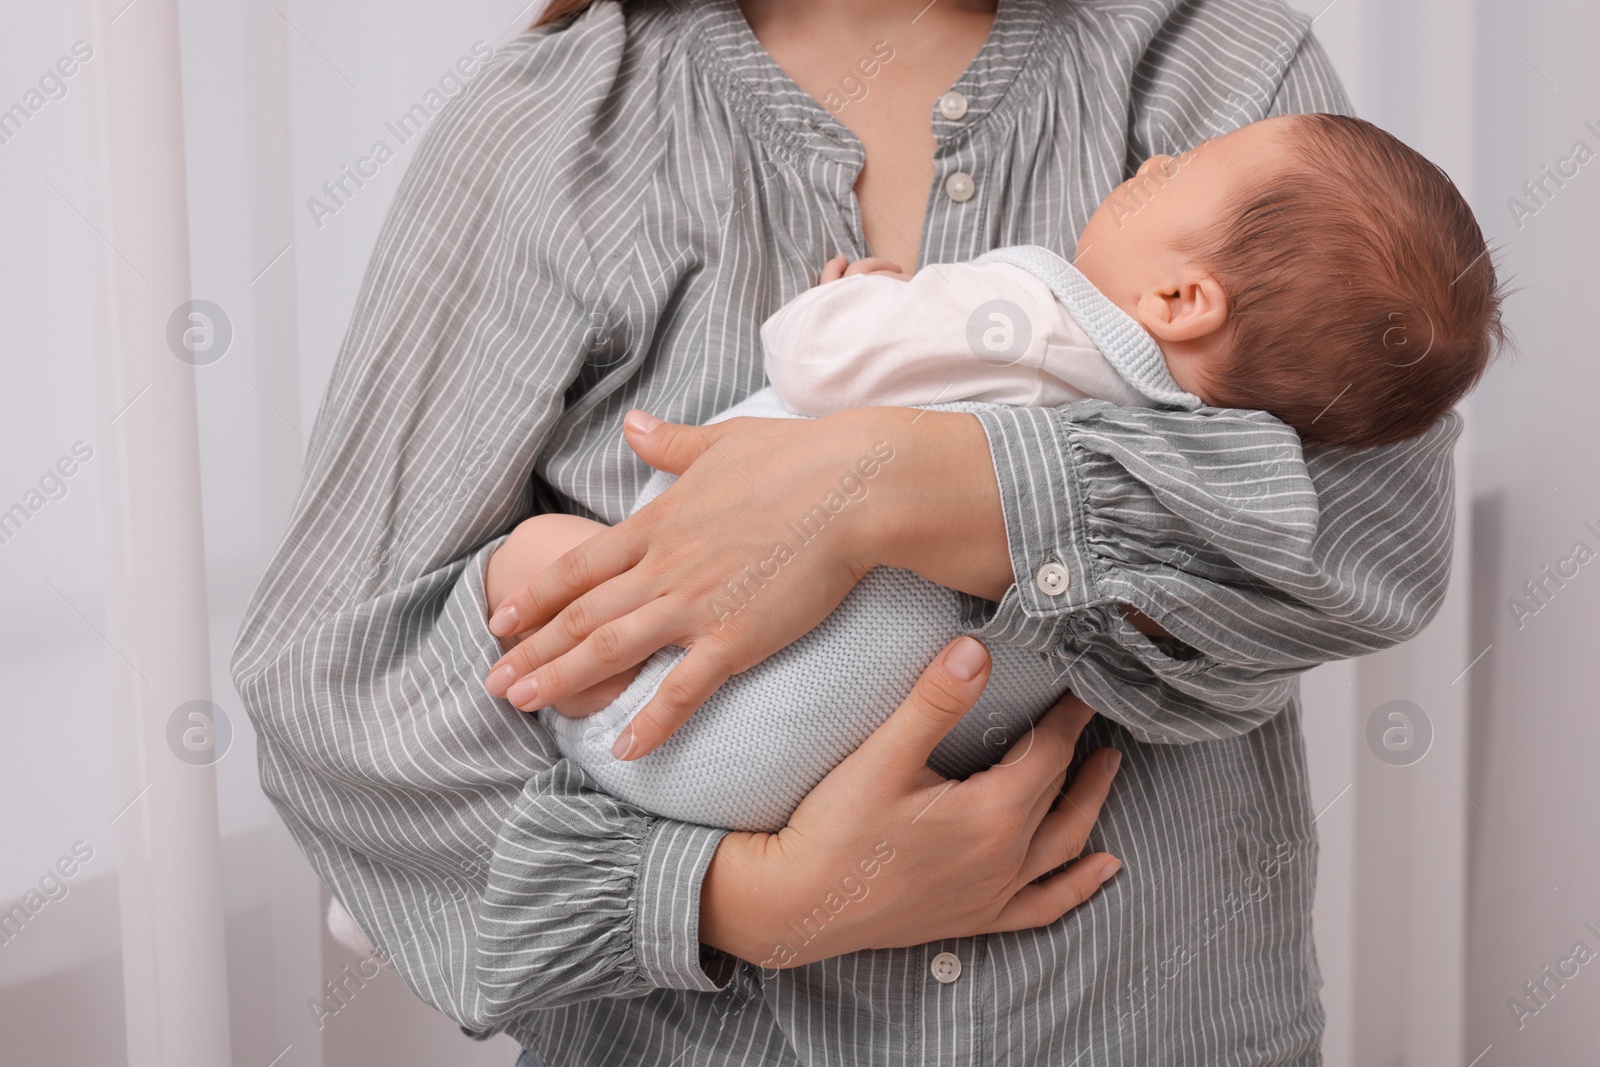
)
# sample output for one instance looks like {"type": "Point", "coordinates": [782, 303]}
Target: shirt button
{"type": "Point", "coordinates": [952, 106]}
{"type": "Point", "coordinates": [946, 967]}
{"type": "Point", "coordinates": [1052, 579]}
{"type": "Point", "coordinates": [960, 187]}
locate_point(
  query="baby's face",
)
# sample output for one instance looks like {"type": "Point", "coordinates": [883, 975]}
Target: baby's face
{"type": "Point", "coordinates": [1133, 248]}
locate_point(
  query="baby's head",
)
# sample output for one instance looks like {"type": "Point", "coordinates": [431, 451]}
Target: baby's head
{"type": "Point", "coordinates": [1312, 266]}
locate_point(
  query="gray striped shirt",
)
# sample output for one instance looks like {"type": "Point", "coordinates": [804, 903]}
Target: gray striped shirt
{"type": "Point", "coordinates": [602, 220]}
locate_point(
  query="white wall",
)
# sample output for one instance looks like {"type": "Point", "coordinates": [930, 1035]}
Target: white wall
{"type": "Point", "coordinates": [1490, 88]}
{"type": "Point", "coordinates": [1536, 865]}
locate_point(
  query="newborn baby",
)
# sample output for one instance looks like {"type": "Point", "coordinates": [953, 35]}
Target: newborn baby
{"type": "Point", "coordinates": [1313, 267]}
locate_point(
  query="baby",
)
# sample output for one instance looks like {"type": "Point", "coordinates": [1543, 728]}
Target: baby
{"type": "Point", "coordinates": [1312, 267]}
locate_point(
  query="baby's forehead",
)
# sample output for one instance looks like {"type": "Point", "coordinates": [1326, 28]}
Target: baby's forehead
{"type": "Point", "coordinates": [1264, 140]}
{"type": "Point", "coordinates": [1246, 158]}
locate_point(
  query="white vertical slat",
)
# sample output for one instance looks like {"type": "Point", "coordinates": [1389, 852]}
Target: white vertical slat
{"type": "Point", "coordinates": [169, 876]}
{"type": "Point", "coordinates": [273, 293]}
{"type": "Point", "coordinates": [295, 897]}
{"type": "Point", "coordinates": [1330, 700]}
{"type": "Point", "coordinates": [1410, 931]}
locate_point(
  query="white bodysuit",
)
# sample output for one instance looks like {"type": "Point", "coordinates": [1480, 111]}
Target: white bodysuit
{"type": "Point", "coordinates": [993, 330]}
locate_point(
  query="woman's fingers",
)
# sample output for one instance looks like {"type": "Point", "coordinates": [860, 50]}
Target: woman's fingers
{"type": "Point", "coordinates": [611, 608]}
{"type": "Point", "coordinates": [1063, 832]}
{"type": "Point", "coordinates": [1036, 762]}
{"type": "Point", "coordinates": [958, 853]}
{"type": "Point", "coordinates": [597, 560]}
{"type": "Point", "coordinates": [669, 446]}
{"type": "Point", "coordinates": [945, 692]}
{"type": "Point", "coordinates": [1044, 903]}
{"type": "Point", "coordinates": [612, 647]}
{"type": "Point", "coordinates": [681, 693]}
{"type": "Point", "coordinates": [1030, 826]}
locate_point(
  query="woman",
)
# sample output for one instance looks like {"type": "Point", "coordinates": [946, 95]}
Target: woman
{"type": "Point", "coordinates": [599, 224]}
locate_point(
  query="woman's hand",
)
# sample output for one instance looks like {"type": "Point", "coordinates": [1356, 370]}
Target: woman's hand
{"type": "Point", "coordinates": [884, 853]}
{"type": "Point", "coordinates": [770, 524]}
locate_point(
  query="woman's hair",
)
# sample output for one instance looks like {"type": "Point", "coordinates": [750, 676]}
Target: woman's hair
{"type": "Point", "coordinates": [560, 11]}
{"type": "Point", "coordinates": [1363, 301]}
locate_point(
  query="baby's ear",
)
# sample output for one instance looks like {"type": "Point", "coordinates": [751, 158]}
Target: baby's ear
{"type": "Point", "coordinates": [1190, 308]}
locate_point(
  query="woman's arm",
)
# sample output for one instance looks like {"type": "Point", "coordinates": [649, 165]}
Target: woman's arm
{"type": "Point", "coordinates": [802, 507]}
{"type": "Point", "coordinates": [880, 805]}
{"type": "Point", "coordinates": [1260, 558]}
{"type": "Point", "coordinates": [412, 791]}
{"type": "Point", "coordinates": [487, 869]}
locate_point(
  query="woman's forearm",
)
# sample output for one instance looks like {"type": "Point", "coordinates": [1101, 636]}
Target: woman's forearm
{"type": "Point", "coordinates": [957, 478]}
{"type": "Point", "coordinates": [731, 916]}
{"type": "Point", "coordinates": [941, 515]}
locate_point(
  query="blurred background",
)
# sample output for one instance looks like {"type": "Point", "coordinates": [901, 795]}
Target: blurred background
{"type": "Point", "coordinates": [1459, 897]}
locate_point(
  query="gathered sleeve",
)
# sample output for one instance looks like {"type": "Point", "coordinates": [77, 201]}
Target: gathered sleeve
{"type": "Point", "coordinates": [492, 874]}
{"type": "Point", "coordinates": [1260, 559]}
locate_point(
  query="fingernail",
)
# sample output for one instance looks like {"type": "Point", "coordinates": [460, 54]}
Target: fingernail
{"type": "Point", "coordinates": [1111, 866]}
{"type": "Point", "coordinates": [965, 658]}
{"type": "Point", "coordinates": [500, 679]}
{"type": "Point", "coordinates": [524, 692]}
{"type": "Point", "coordinates": [504, 621]}
{"type": "Point", "coordinates": [624, 744]}
{"type": "Point", "coordinates": [1116, 760]}
{"type": "Point", "coordinates": [641, 421]}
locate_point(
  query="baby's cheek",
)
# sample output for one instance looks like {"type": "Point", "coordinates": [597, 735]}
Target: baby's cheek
{"type": "Point", "coordinates": [1106, 241]}
{"type": "Point", "coordinates": [1193, 374]}
{"type": "Point", "coordinates": [1086, 239]}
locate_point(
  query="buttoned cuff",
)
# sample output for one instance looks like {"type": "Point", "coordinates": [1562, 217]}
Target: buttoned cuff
{"type": "Point", "coordinates": [1042, 499]}
{"type": "Point", "coordinates": [666, 920]}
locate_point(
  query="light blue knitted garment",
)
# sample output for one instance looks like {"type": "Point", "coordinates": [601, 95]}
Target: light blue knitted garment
{"type": "Point", "coordinates": [747, 758]}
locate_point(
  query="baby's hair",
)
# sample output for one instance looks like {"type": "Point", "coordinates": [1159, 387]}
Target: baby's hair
{"type": "Point", "coordinates": [1362, 299]}
{"type": "Point", "coordinates": [561, 11]}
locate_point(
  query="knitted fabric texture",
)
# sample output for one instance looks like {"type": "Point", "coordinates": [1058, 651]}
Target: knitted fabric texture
{"type": "Point", "coordinates": [747, 758]}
